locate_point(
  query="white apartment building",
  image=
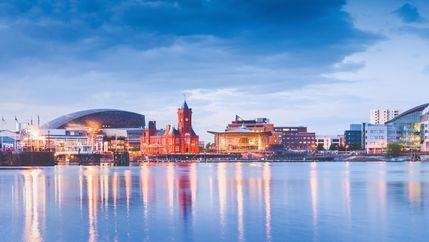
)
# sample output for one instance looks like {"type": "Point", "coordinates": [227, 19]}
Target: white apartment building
{"type": "Point", "coordinates": [375, 138]}
{"type": "Point", "coordinates": [381, 116]}
{"type": "Point", "coordinates": [327, 141]}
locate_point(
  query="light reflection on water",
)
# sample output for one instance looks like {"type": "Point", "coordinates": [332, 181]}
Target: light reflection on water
{"type": "Point", "coordinates": [217, 202]}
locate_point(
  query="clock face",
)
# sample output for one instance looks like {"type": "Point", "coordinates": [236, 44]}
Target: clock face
{"type": "Point", "coordinates": [186, 119]}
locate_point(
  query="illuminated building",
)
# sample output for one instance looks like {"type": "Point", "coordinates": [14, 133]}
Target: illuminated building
{"type": "Point", "coordinates": [425, 128]}
{"type": "Point", "coordinates": [86, 132]}
{"type": "Point", "coordinates": [170, 140]}
{"type": "Point", "coordinates": [294, 138]}
{"type": "Point", "coordinates": [255, 125]}
{"type": "Point", "coordinates": [241, 139]}
{"type": "Point", "coordinates": [408, 128]}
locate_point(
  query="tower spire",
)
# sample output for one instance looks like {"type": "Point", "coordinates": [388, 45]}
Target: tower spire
{"type": "Point", "coordinates": [185, 104]}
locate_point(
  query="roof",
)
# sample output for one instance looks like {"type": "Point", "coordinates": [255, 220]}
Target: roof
{"type": "Point", "coordinates": [185, 105]}
{"type": "Point", "coordinates": [118, 118]}
{"type": "Point", "coordinates": [420, 108]}
{"type": "Point", "coordinates": [240, 130]}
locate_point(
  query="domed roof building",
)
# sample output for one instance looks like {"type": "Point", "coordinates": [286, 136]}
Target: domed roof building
{"type": "Point", "coordinates": [98, 118]}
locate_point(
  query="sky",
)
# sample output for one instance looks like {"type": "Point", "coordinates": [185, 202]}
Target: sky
{"type": "Point", "coordinates": [317, 63]}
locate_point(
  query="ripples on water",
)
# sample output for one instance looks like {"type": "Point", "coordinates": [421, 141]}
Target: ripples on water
{"type": "Point", "coordinates": [217, 202]}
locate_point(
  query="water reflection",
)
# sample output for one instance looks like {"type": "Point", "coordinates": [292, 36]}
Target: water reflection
{"type": "Point", "coordinates": [314, 198]}
{"type": "Point", "coordinates": [221, 178]}
{"type": "Point", "coordinates": [267, 196]}
{"type": "Point", "coordinates": [217, 202]}
{"type": "Point", "coordinates": [239, 183]}
{"type": "Point", "coordinates": [32, 196]}
{"type": "Point", "coordinates": [92, 195]}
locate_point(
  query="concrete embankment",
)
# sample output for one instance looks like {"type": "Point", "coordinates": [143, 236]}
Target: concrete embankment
{"type": "Point", "coordinates": [27, 158]}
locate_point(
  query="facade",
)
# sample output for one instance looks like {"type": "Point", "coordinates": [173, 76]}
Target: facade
{"type": "Point", "coordinates": [255, 125]}
{"type": "Point", "coordinates": [86, 132]}
{"type": "Point", "coordinates": [375, 138]}
{"type": "Point", "coordinates": [7, 140]}
{"type": "Point", "coordinates": [240, 140]}
{"type": "Point", "coordinates": [408, 129]}
{"type": "Point", "coordinates": [328, 141]}
{"type": "Point", "coordinates": [170, 140]}
{"type": "Point", "coordinates": [294, 138]}
{"type": "Point", "coordinates": [353, 137]}
{"type": "Point", "coordinates": [381, 116]}
{"type": "Point", "coordinates": [425, 128]}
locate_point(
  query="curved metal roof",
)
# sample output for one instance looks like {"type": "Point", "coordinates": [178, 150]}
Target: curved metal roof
{"type": "Point", "coordinates": [420, 108]}
{"type": "Point", "coordinates": [108, 115]}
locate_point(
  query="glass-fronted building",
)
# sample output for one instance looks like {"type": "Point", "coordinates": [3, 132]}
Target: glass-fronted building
{"type": "Point", "coordinates": [407, 128]}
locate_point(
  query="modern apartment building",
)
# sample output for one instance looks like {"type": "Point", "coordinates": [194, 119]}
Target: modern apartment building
{"type": "Point", "coordinates": [353, 137]}
{"type": "Point", "coordinates": [328, 141]}
{"type": "Point", "coordinates": [374, 138]}
{"type": "Point", "coordinates": [381, 116]}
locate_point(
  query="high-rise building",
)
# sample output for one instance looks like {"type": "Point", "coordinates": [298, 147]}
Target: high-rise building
{"type": "Point", "coordinates": [381, 116]}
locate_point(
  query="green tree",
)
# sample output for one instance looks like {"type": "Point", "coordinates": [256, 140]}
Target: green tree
{"type": "Point", "coordinates": [333, 147]}
{"type": "Point", "coordinates": [320, 147]}
{"type": "Point", "coordinates": [394, 149]}
{"type": "Point", "coordinates": [355, 147]}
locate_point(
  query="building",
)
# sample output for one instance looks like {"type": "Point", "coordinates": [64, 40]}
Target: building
{"type": "Point", "coordinates": [353, 137]}
{"type": "Point", "coordinates": [255, 125]}
{"type": "Point", "coordinates": [328, 141]}
{"type": "Point", "coordinates": [170, 140]}
{"type": "Point", "coordinates": [375, 138]}
{"type": "Point", "coordinates": [381, 116]}
{"type": "Point", "coordinates": [425, 145]}
{"type": "Point", "coordinates": [86, 132]}
{"type": "Point", "coordinates": [7, 140]}
{"type": "Point", "coordinates": [241, 139]}
{"type": "Point", "coordinates": [294, 138]}
{"type": "Point", "coordinates": [408, 128]}
{"type": "Point", "coordinates": [98, 119]}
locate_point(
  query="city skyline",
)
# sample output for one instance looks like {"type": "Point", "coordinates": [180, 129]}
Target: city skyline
{"type": "Point", "coordinates": [321, 66]}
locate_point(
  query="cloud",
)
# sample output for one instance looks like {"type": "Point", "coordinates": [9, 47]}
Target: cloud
{"type": "Point", "coordinates": [141, 55]}
{"type": "Point", "coordinates": [409, 14]}
{"type": "Point", "coordinates": [314, 30]}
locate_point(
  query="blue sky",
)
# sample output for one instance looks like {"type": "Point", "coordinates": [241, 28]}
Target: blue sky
{"type": "Point", "coordinates": [319, 63]}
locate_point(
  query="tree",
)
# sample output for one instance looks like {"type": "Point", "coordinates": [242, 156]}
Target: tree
{"type": "Point", "coordinates": [394, 149]}
{"type": "Point", "coordinates": [355, 147]}
{"type": "Point", "coordinates": [320, 147]}
{"type": "Point", "coordinates": [333, 147]}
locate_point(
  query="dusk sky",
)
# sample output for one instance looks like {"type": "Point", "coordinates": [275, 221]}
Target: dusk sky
{"type": "Point", "coordinates": [316, 63]}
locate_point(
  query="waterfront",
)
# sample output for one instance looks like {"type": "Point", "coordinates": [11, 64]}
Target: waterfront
{"type": "Point", "coordinates": [217, 202]}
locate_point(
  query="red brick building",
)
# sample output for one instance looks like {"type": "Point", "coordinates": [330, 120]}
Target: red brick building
{"type": "Point", "coordinates": [170, 140]}
{"type": "Point", "coordinates": [295, 138]}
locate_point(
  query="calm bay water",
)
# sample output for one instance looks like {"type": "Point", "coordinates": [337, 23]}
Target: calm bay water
{"type": "Point", "coordinates": [217, 202]}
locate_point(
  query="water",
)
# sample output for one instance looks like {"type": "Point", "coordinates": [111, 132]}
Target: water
{"type": "Point", "coordinates": [217, 202]}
